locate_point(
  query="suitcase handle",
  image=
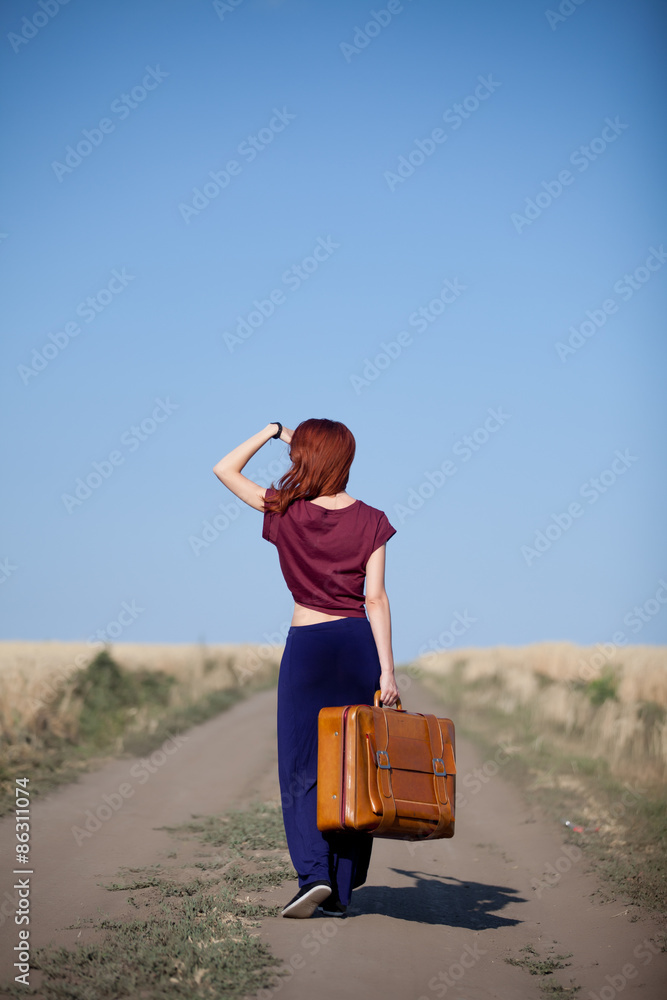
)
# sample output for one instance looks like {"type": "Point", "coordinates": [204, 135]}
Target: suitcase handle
{"type": "Point", "coordinates": [378, 699]}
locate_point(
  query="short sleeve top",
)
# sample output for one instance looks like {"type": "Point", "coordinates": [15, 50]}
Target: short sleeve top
{"type": "Point", "coordinates": [323, 553]}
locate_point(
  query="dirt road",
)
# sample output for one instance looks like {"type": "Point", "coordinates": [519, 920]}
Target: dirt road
{"type": "Point", "coordinates": [434, 920]}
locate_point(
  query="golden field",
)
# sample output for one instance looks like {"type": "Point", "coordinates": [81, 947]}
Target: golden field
{"type": "Point", "coordinates": [609, 701]}
{"type": "Point", "coordinates": [36, 678]}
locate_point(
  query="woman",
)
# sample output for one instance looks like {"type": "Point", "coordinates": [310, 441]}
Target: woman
{"type": "Point", "coordinates": [329, 545]}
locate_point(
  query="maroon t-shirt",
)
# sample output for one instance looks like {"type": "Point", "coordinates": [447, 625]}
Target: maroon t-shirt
{"type": "Point", "coordinates": [323, 553]}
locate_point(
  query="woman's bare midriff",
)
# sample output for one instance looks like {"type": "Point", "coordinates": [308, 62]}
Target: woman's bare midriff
{"type": "Point", "coordinates": [306, 616]}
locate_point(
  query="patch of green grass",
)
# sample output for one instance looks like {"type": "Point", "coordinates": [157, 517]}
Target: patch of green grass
{"type": "Point", "coordinates": [166, 887]}
{"type": "Point", "coordinates": [197, 949]}
{"type": "Point", "coordinates": [530, 960]}
{"type": "Point", "coordinates": [198, 940]}
{"type": "Point", "coordinates": [138, 883]}
{"type": "Point", "coordinates": [108, 693]}
{"type": "Point", "coordinates": [543, 681]}
{"type": "Point", "coordinates": [260, 880]}
{"type": "Point", "coordinates": [651, 714]}
{"type": "Point", "coordinates": [603, 687]}
{"type": "Point", "coordinates": [178, 720]}
{"type": "Point", "coordinates": [536, 966]}
{"type": "Point", "coordinates": [47, 769]}
{"type": "Point", "coordinates": [557, 991]}
{"type": "Point", "coordinates": [260, 827]}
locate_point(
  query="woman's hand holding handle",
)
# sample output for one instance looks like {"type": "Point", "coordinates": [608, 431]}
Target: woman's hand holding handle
{"type": "Point", "coordinates": [388, 689]}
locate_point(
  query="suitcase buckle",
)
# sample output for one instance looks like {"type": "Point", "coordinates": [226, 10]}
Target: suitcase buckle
{"type": "Point", "coordinates": [439, 761]}
{"type": "Point", "coordinates": [382, 753]}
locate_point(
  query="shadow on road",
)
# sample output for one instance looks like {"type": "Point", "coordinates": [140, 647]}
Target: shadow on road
{"type": "Point", "coordinates": [433, 900]}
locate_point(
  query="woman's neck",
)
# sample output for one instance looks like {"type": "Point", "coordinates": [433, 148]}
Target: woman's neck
{"type": "Point", "coordinates": [333, 502]}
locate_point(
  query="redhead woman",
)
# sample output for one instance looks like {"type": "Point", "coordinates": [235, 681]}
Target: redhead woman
{"type": "Point", "coordinates": [338, 649]}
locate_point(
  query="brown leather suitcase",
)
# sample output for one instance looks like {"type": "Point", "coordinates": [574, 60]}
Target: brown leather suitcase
{"type": "Point", "coordinates": [385, 771]}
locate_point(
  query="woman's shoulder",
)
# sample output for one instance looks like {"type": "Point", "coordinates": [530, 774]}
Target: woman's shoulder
{"type": "Point", "coordinates": [370, 511]}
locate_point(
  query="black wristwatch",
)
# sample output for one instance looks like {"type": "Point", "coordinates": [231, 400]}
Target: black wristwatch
{"type": "Point", "coordinates": [280, 429]}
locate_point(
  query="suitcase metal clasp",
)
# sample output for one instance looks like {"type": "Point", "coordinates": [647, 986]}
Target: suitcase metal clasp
{"type": "Point", "coordinates": [382, 753]}
{"type": "Point", "coordinates": [439, 761]}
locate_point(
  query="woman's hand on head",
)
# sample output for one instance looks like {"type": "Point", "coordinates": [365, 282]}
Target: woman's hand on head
{"type": "Point", "coordinates": [286, 435]}
{"type": "Point", "coordinates": [388, 690]}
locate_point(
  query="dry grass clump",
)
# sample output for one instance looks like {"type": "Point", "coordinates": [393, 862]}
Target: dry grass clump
{"type": "Point", "coordinates": [610, 700]}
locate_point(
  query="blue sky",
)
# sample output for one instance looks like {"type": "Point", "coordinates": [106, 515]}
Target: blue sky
{"type": "Point", "coordinates": [481, 184]}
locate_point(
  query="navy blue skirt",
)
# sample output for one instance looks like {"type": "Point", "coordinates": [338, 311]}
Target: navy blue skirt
{"type": "Point", "coordinates": [328, 664]}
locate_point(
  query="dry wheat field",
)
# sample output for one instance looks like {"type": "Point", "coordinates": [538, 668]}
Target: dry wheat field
{"type": "Point", "coordinates": [36, 678]}
{"type": "Point", "coordinates": [610, 700]}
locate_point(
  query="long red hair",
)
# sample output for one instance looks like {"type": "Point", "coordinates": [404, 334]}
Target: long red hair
{"type": "Point", "coordinates": [321, 452]}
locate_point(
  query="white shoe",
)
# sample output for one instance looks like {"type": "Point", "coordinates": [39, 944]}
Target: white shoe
{"type": "Point", "coordinates": [307, 899]}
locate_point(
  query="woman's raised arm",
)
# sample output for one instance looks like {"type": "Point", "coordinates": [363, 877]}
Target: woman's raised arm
{"type": "Point", "coordinates": [228, 469]}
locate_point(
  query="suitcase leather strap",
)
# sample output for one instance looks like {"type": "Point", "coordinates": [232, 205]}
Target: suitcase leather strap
{"type": "Point", "coordinates": [383, 769]}
{"type": "Point", "coordinates": [439, 775]}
